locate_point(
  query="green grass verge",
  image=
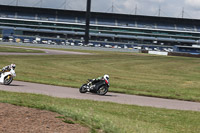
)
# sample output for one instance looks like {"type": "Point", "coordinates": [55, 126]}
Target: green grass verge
{"type": "Point", "coordinates": [158, 76]}
{"type": "Point", "coordinates": [111, 117]}
{"type": "Point", "coordinates": [18, 50]}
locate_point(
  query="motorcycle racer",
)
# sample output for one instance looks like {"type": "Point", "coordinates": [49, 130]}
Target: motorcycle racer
{"type": "Point", "coordinates": [8, 68]}
{"type": "Point", "coordinates": [105, 77]}
{"type": "Point", "coordinates": [99, 85]}
{"type": "Point", "coordinates": [7, 74]}
{"type": "Point", "coordinates": [93, 81]}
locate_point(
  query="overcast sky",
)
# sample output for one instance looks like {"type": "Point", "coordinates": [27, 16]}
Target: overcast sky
{"type": "Point", "coordinates": [168, 8]}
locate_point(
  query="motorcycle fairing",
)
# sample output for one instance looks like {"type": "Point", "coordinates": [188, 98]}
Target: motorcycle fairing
{"type": "Point", "coordinates": [98, 84]}
{"type": "Point", "coordinates": [7, 73]}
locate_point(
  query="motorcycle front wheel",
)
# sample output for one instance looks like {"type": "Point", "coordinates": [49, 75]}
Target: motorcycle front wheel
{"type": "Point", "coordinates": [8, 80]}
{"type": "Point", "coordinates": [102, 90]}
{"type": "Point", "coordinates": [83, 88]}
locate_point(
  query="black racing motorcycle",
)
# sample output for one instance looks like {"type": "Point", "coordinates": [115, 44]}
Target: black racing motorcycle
{"type": "Point", "coordinates": [99, 87]}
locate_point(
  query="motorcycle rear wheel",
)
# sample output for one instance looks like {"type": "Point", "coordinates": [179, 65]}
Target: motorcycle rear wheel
{"type": "Point", "coordinates": [83, 88]}
{"type": "Point", "coordinates": [102, 90]}
{"type": "Point", "coordinates": [8, 80]}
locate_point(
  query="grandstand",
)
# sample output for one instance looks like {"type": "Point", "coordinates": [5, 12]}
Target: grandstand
{"type": "Point", "coordinates": [31, 22]}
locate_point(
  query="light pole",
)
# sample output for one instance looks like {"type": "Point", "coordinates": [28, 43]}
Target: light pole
{"type": "Point", "coordinates": [87, 27]}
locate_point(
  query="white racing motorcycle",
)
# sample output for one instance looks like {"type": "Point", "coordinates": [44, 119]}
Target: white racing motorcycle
{"type": "Point", "coordinates": [7, 77]}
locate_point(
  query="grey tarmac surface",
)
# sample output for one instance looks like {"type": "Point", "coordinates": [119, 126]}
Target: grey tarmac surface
{"type": "Point", "coordinates": [67, 92]}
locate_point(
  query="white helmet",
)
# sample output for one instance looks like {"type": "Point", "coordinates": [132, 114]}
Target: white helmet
{"type": "Point", "coordinates": [106, 77]}
{"type": "Point", "coordinates": [13, 66]}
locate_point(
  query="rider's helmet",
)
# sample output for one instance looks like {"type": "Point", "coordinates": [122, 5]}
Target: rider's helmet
{"type": "Point", "coordinates": [13, 66]}
{"type": "Point", "coordinates": [106, 77]}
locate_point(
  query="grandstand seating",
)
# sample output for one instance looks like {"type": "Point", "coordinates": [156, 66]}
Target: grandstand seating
{"type": "Point", "coordinates": [7, 14]}
{"type": "Point", "coordinates": [124, 23]}
{"type": "Point", "coordinates": [141, 24]}
{"type": "Point", "coordinates": [93, 21]}
{"type": "Point", "coordinates": [65, 19]}
{"type": "Point", "coordinates": [98, 21]}
{"type": "Point", "coordinates": [130, 27]}
{"type": "Point", "coordinates": [22, 15]}
{"type": "Point", "coordinates": [185, 27]}
{"type": "Point", "coordinates": [102, 21]}
{"type": "Point", "coordinates": [80, 20]}
{"type": "Point", "coordinates": [165, 26]}
{"type": "Point", "coordinates": [47, 17]}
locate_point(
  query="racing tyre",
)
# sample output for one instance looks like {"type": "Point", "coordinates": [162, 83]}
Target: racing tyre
{"type": "Point", "coordinates": [102, 90]}
{"type": "Point", "coordinates": [8, 80]}
{"type": "Point", "coordinates": [83, 88]}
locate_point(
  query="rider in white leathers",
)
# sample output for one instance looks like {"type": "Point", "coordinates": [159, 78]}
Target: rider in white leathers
{"type": "Point", "coordinates": [8, 68]}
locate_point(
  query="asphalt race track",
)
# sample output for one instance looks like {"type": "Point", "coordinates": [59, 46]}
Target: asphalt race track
{"type": "Point", "coordinates": [67, 92]}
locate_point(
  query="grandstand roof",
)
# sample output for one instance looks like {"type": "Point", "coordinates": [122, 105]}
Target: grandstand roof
{"type": "Point", "coordinates": [99, 15]}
